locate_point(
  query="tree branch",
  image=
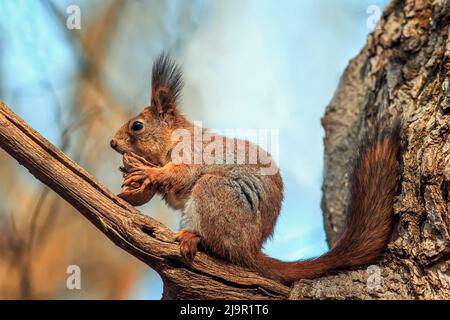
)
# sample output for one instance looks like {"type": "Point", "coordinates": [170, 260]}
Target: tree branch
{"type": "Point", "coordinates": [138, 234]}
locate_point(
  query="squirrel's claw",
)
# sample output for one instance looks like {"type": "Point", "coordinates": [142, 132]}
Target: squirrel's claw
{"type": "Point", "coordinates": [142, 160]}
{"type": "Point", "coordinates": [137, 176]}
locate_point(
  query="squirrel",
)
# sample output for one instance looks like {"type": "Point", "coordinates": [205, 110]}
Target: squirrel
{"type": "Point", "coordinates": [231, 208]}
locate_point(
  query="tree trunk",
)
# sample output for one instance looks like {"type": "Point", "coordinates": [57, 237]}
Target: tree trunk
{"type": "Point", "coordinates": [403, 70]}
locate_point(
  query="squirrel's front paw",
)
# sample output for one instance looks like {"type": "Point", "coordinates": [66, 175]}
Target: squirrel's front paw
{"type": "Point", "coordinates": [136, 188]}
{"type": "Point", "coordinates": [143, 176]}
{"type": "Point", "coordinates": [136, 194]}
{"type": "Point", "coordinates": [188, 243]}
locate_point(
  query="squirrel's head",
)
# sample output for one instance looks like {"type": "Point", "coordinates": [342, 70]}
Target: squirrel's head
{"type": "Point", "coordinates": [149, 133]}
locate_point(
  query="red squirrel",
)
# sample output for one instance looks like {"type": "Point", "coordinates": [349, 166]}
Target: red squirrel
{"type": "Point", "coordinates": [231, 208]}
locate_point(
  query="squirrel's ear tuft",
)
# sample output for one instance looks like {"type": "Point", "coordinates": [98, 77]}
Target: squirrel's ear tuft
{"type": "Point", "coordinates": [166, 85]}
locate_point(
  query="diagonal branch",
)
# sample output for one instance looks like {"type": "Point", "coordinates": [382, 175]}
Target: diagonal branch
{"type": "Point", "coordinates": [138, 234]}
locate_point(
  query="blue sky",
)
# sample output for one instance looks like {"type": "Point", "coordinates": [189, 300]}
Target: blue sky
{"type": "Point", "coordinates": [248, 64]}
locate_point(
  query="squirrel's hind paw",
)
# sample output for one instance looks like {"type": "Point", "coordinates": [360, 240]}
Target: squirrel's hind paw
{"type": "Point", "coordinates": [188, 243]}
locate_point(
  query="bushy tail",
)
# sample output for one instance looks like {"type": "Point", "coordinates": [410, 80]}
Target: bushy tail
{"type": "Point", "coordinates": [373, 188]}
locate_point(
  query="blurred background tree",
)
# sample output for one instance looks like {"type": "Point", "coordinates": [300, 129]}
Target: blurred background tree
{"type": "Point", "coordinates": [251, 64]}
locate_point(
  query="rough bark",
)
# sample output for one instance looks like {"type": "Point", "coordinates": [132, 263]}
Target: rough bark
{"type": "Point", "coordinates": [403, 70]}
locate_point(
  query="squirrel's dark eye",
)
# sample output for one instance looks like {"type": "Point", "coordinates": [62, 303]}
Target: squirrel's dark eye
{"type": "Point", "coordinates": [137, 126]}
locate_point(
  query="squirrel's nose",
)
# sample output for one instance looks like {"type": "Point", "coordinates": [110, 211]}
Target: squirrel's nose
{"type": "Point", "coordinates": [113, 143]}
